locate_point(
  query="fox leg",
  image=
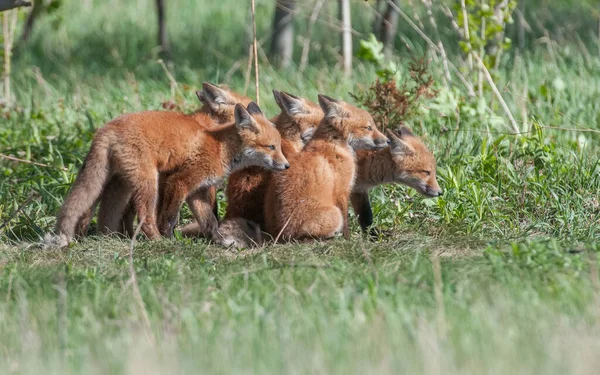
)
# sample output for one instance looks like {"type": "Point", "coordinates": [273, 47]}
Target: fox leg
{"type": "Point", "coordinates": [203, 204]}
{"type": "Point", "coordinates": [176, 189]}
{"type": "Point", "coordinates": [362, 209]}
{"type": "Point", "coordinates": [144, 186]}
{"type": "Point", "coordinates": [346, 225]}
{"type": "Point", "coordinates": [114, 200]}
{"type": "Point", "coordinates": [84, 222]}
{"type": "Point", "coordinates": [128, 219]}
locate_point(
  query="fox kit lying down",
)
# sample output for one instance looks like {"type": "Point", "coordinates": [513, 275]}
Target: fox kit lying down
{"type": "Point", "coordinates": [310, 200]}
{"type": "Point", "coordinates": [140, 146]}
{"type": "Point", "coordinates": [246, 188]}
{"type": "Point", "coordinates": [407, 161]}
{"type": "Point", "coordinates": [116, 213]}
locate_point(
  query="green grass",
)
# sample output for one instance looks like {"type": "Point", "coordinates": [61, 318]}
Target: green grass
{"type": "Point", "coordinates": [516, 232]}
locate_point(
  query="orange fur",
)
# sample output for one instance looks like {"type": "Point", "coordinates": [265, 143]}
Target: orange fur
{"type": "Point", "coordinates": [140, 146]}
{"type": "Point", "coordinates": [116, 213]}
{"type": "Point", "coordinates": [407, 161]}
{"type": "Point", "coordinates": [310, 200]}
{"type": "Point", "coordinates": [246, 188]}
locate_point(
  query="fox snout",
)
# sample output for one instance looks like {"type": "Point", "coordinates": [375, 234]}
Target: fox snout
{"type": "Point", "coordinates": [433, 192]}
{"type": "Point", "coordinates": [280, 163]}
{"type": "Point", "coordinates": [380, 140]}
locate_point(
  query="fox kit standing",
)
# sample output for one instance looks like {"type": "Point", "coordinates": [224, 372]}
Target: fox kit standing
{"type": "Point", "coordinates": [140, 146]}
{"type": "Point", "coordinates": [407, 161]}
{"type": "Point", "coordinates": [310, 200]}
{"type": "Point", "coordinates": [116, 213]}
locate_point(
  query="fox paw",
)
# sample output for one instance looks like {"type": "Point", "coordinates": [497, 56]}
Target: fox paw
{"type": "Point", "coordinates": [53, 241]}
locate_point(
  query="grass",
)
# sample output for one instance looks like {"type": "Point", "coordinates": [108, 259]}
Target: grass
{"type": "Point", "coordinates": [516, 233]}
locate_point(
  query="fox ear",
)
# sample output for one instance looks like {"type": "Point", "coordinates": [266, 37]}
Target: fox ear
{"type": "Point", "coordinates": [291, 104]}
{"type": "Point", "coordinates": [331, 107]}
{"type": "Point", "coordinates": [254, 109]}
{"type": "Point", "coordinates": [213, 95]}
{"type": "Point", "coordinates": [244, 120]}
{"type": "Point", "coordinates": [398, 147]}
{"type": "Point", "coordinates": [200, 95]}
{"type": "Point", "coordinates": [403, 131]}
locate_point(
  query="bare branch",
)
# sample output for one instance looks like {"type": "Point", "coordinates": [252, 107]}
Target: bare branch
{"type": "Point", "coordinates": [10, 4]}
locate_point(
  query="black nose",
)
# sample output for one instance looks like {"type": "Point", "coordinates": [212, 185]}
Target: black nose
{"type": "Point", "coordinates": [389, 142]}
{"type": "Point", "coordinates": [440, 193]}
{"type": "Point", "coordinates": [287, 165]}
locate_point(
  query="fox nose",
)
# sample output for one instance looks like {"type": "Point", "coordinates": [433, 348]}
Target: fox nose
{"type": "Point", "coordinates": [440, 193]}
{"type": "Point", "coordinates": [389, 142]}
{"type": "Point", "coordinates": [287, 165]}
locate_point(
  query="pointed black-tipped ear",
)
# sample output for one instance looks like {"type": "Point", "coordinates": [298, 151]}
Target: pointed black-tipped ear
{"type": "Point", "coordinates": [200, 95]}
{"type": "Point", "coordinates": [243, 119]}
{"type": "Point", "coordinates": [397, 146]}
{"type": "Point", "coordinates": [403, 131]}
{"type": "Point", "coordinates": [331, 107]}
{"type": "Point", "coordinates": [277, 96]}
{"type": "Point", "coordinates": [214, 95]}
{"type": "Point", "coordinates": [290, 104]}
{"type": "Point", "coordinates": [254, 109]}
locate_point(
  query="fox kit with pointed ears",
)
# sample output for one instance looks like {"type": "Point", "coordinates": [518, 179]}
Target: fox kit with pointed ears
{"type": "Point", "coordinates": [191, 158]}
{"type": "Point", "coordinates": [407, 161]}
{"type": "Point", "coordinates": [310, 200]}
{"type": "Point", "coordinates": [116, 213]}
{"type": "Point", "coordinates": [246, 188]}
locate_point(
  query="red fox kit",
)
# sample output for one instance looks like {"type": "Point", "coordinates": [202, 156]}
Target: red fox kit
{"type": "Point", "coordinates": [246, 188]}
{"type": "Point", "coordinates": [116, 213]}
{"type": "Point", "coordinates": [407, 161]}
{"type": "Point", "coordinates": [310, 200]}
{"type": "Point", "coordinates": [140, 146]}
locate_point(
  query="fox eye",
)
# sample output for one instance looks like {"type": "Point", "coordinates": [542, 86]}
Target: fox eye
{"type": "Point", "coordinates": [369, 128]}
{"type": "Point", "coordinates": [427, 173]}
{"type": "Point", "coordinates": [272, 147]}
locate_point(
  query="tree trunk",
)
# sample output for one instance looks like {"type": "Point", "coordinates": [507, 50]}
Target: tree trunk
{"type": "Point", "coordinates": [282, 44]}
{"type": "Point", "coordinates": [28, 28]}
{"type": "Point", "coordinates": [9, 4]}
{"type": "Point", "coordinates": [163, 39]}
{"type": "Point", "coordinates": [344, 7]}
{"type": "Point", "coordinates": [389, 25]}
{"type": "Point", "coordinates": [378, 17]}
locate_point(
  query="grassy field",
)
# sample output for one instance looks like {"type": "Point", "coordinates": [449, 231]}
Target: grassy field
{"type": "Point", "coordinates": [498, 275]}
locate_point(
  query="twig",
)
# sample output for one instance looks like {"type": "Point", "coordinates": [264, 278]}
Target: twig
{"type": "Point", "coordinates": [488, 77]}
{"type": "Point", "coordinates": [248, 69]}
{"type": "Point", "coordinates": [9, 23]}
{"type": "Point", "coordinates": [439, 40]}
{"type": "Point", "coordinates": [137, 295]}
{"type": "Point", "coordinates": [12, 158]}
{"type": "Point", "coordinates": [309, 28]}
{"type": "Point", "coordinates": [10, 4]}
{"type": "Point", "coordinates": [466, 31]}
{"type": "Point", "coordinates": [172, 80]}
{"type": "Point", "coordinates": [254, 45]}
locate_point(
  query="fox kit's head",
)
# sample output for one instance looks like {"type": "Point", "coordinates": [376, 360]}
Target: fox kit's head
{"type": "Point", "coordinates": [354, 124]}
{"type": "Point", "coordinates": [414, 164]}
{"type": "Point", "coordinates": [261, 142]}
{"type": "Point", "coordinates": [298, 119]}
{"type": "Point", "coordinates": [219, 102]}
